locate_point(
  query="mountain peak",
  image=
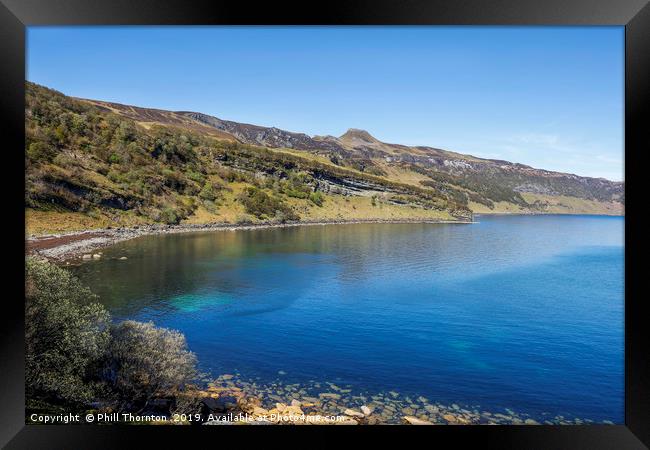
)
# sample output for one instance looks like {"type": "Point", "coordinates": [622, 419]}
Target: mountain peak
{"type": "Point", "coordinates": [357, 134]}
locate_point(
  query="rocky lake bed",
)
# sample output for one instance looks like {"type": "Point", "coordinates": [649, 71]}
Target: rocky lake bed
{"type": "Point", "coordinates": [233, 399]}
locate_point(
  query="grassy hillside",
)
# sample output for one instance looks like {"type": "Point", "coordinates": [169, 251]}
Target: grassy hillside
{"type": "Point", "coordinates": [88, 166]}
{"type": "Point", "coordinates": [491, 184]}
{"type": "Point", "coordinates": [93, 164]}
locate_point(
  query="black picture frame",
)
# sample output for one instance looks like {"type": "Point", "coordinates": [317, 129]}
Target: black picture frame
{"type": "Point", "coordinates": [15, 15]}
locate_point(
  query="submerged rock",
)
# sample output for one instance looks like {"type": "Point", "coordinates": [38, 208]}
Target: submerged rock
{"type": "Point", "coordinates": [415, 421]}
{"type": "Point", "coordinates": [280, 403]}
{"type": "Point", "coordinates": [353, 413]}
{"type": "Point", "coordinates": [259, 411]}
{"type": "Point", "coordinates": [450, 418]}
{"type": "Point", "coordinates": [431, 409]}
{"type": "Point", "coordinates": [330, 395]}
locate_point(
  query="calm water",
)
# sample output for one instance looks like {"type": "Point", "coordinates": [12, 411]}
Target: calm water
{"type": "Point", "coordinates": [513, 312]}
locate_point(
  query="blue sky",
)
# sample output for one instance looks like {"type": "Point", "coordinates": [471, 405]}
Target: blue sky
{"type": "Point", "coordinates": [550, 97]}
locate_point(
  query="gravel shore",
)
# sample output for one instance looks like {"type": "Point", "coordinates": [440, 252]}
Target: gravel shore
{"type": "Point", "coordinates": [67, 246]}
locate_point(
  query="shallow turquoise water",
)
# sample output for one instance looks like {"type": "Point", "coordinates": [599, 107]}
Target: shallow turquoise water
{"type": "Point", "coordinates": [520, 312]}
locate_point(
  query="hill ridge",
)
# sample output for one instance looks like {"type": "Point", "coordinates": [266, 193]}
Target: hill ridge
{"type": "Point", "coordinates": [104, 158]}
{"type": "Point", "coordinates": [278, 137]}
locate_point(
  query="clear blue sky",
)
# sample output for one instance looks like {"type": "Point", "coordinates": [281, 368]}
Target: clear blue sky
{"type": "Point", "coordinates": [550, 97]}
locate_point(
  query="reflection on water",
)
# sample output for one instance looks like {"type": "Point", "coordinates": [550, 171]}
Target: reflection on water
{"type": "Point", "coordinates": [521, 312]}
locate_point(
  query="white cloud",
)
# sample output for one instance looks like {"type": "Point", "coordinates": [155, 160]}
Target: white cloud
{"type": "Point", "coordinates": [556, 152]}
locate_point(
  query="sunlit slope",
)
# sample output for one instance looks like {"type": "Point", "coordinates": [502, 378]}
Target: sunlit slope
{"type": "Point", "coordinates": [486, 184]}
{"type": "Point", "coordinates": [92, 163]}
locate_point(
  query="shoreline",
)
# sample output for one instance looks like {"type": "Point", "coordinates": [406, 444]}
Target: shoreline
{"type": "Point", "coordinates": [280, 401]}
{"type": "Point", "coordinates": [283, 400]}
{"type": "Point", "coordinates": [544, 214]}
{"type": "Point", "coordinates": [79, 244]}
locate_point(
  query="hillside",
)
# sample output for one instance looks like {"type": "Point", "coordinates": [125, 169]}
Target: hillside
{"type": "Point", "coordinates": [93, 164]}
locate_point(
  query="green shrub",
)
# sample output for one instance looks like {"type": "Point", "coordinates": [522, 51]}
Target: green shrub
{"type": "Point", "coordinates": [208, 192]}
{"type": "Point", "coordinates": [295, 193]}
{"type": "Point", "coordinates": [174, 180]}
{"type": "Point", "coordinates": [40, 151]}
{"type": "Point", "coordinates": [115, 176]}
{"type": "Point", "coordinates": [243, 219]}
{"type": "Point", "coordinates": [317, 198]}
{"type": "Point", "coordinates": [263, 206]}
{"type": "Point", "coordinates": [66, 334]}
{"type": "Point", "coordinates": [74, 356]}
{"type": "Point", "coordinates": [195, 176]}
{"type": "Point", "coordinates": [210, 206]}
{"type": "Point", "coordinates": [296, 186]}
{"type": "Point", "coordinates": [169, 216]}
{"type": "Point", "coordinates": [145, 361]}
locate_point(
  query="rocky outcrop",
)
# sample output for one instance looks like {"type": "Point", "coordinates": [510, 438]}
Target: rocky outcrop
{"type": "Point", "coordinates": [265, 136]}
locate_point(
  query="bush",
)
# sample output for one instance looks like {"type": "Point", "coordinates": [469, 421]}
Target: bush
{"type": "Point", "coordinates": [174, 180]}
{"type": "Point", "coordinates": [243, 219]}
{"type": "Point", "coordinates": [195, 176]}
{"type": "Point", "coordinates": [66, 334]}
{"type": "Point", "coordinates": [208, 192]}
{"type": "Point", "coordinates": [169, 216]}
{"type": "Point", "coordinates": [73, 355]}
{"type": "Point", "coordinates": [39, 151]}
{"type": "Point", "coordinates": [145, 361]}
{"type": "Point", "coordinates": [317, 198]}
{"type": "Point", "coordinates": [297, 185]}
{"type": "Point", "coordinates": [263, 206]}
{"type": "Point", "coordinates": [211, 207]}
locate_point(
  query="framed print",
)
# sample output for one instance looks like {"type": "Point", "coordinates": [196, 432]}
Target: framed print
{"type": "Point", "coordinates": [406, 218]}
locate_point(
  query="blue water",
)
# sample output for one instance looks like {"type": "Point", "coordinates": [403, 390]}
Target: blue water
{"type": "Point", "coordinates": [520, 312]}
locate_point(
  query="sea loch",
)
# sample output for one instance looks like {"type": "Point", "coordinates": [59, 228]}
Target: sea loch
{"type": "Point", "coordinates": [512, 312]}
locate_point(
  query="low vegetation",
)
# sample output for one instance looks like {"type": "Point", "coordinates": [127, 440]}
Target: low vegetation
{"type": "Point", "coordinates": [265, 207]}
{"type": "Point", "coordinates": [85, 159]}
{"type": "Point", "coordinates": [77, 358]}
{"type": "Point", "coordinates": [92, 164]}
